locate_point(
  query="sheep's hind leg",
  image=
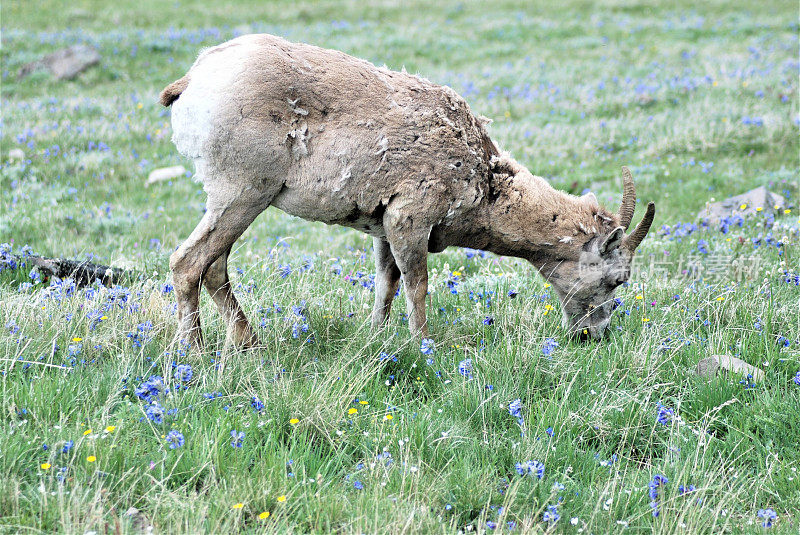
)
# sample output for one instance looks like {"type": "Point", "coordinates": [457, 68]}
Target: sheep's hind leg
{"type": "Point", "coordinates": [224, 221]}
{"type": "Point", "coordinates": [387, 277]}
{"type": "Point", "coordinates": [216, 281]}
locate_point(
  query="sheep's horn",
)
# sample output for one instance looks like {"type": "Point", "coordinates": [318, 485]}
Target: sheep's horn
{"type": "Point", "coordinates": [628, 199]}
{"type": "Point", "coordinates": [632, 240]}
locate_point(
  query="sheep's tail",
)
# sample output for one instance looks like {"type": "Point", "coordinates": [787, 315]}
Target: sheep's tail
{"type": "Point", "coordinates": [171, 93]}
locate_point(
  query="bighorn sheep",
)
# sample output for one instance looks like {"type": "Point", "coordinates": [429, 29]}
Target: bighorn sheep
{"type": "Point", "coordinates": [328, 137]}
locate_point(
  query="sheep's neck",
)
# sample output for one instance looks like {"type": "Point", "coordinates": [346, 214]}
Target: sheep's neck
{"type": "Point", "coordinates": [525, 217]}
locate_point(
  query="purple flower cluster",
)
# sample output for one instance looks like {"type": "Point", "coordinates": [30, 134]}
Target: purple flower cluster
{"type": "Point", "coordinates": [657, 481]}
{"type": "Point", "coordinates": [532, 468]}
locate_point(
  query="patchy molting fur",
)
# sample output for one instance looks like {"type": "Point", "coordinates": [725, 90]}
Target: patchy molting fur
{"type": "Point", "coordinates": [328, 137]}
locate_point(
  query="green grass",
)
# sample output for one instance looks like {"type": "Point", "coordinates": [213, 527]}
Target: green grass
{"type": "Point", "coordinates": [575, 91]}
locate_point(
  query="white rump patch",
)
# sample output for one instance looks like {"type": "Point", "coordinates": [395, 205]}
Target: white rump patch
{"type": "Point", "coordinates": [193, 114]}
{"type": "Point", "coordinates": [566, 239]}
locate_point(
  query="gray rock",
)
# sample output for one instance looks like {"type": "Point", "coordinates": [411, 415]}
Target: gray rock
{"type": "Point", "coordinates": [165, 173]}
{"type": "Point", "coordinates": [66, 63]}
{"type": "Point", "coordinates": [709, 367]}
{"type": "Point", "coordinates": [752, 201]}
{"type": "Point", "coordinates": [139, 522]}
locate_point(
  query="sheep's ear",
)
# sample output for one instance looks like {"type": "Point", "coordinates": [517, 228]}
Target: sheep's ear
{"type": "Point", "coordinates": [612, 241]}
{"type": "Point", "coordinates": [590, 198]}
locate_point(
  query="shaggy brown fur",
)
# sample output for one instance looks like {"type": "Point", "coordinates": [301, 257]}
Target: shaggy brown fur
{"type": "Point", "coordinates": [328, 137]}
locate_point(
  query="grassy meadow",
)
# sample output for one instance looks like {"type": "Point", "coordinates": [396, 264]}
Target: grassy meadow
{"type": "Point", "coordinates": [504, 424]}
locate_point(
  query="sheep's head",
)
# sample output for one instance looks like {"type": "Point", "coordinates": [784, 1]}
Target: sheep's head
{"type": "Point", "coordinates": [586, 286]}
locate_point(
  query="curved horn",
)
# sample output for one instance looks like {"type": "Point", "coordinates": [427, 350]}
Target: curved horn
{"type": "Point", "coordinates": [632, 240]}
{"type": "Point", "coordinates": [628, 199]}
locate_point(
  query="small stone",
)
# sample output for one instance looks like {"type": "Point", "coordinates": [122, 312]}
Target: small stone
{"type": "Point", "coordinates": [165, 173]}
{"type": "Point", "coordinates": [66, 63]}
{"type": "Point", "coordinates": [16, 154]}
{"type": "Point", "coordinates": [139, 522]}
{"type": "Point", "coordinates": [759, 200]}
{"type": "Point", "coordinates": [709, 367]}
{"type": "Point", "coordinates": [242, 29]}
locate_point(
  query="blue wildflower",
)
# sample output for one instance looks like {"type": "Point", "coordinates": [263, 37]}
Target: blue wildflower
{"type": "Point", "coordinates": [358, 485]}
{"type": "Point", "coordinates": [767, 516]}
{"type": "Point", "coordinates": [151, 389]}
{"type": "Point", "coordinates": [549, 346]}
{"type": "Point", "coordinates": [67, 446]}
{"type": "Point", "coordinates": [175, 439]}
{"type": "Point", "coordinates": [427, 347]}
{"type": "Point", "coordinates": [183, 373]}
{"type": "Point", "coordinates": [515, 410]}
{"type": "Point", "coordinates": [797, 379]}
{"type": "Point", "coordinates": [257, 404]}
{"type": "Point", "coordinates": [465, 368]}
{"type": "Point", "coordinates": [608, 463]}
{"type": "Point", "coordinates": [551, 515]}
{"type": "Point", "coordinates": [298, 328]}
{"type": "Point", "coordinates": [658, 481]}
{"type": "Point", "coordinates": [488, 320]}
{"type": "Point", "coordinates": [532, 468]}
{"type": "Point", "coordinates": [664, 415]}
{"type": "Point", "coordinates": [238, 438]}
{"type": "Point", "coordinates": [155, 412]}
{"type": "Point", "coordinates": [490, 524]}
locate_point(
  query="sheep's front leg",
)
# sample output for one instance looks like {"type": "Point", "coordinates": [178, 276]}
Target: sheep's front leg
{"type": "Point", "coordinates": [387, 277]}
{"type": "Point", "coordinates": [409, 246]}
{"type": "Point", "coordinates": [414, 268]}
